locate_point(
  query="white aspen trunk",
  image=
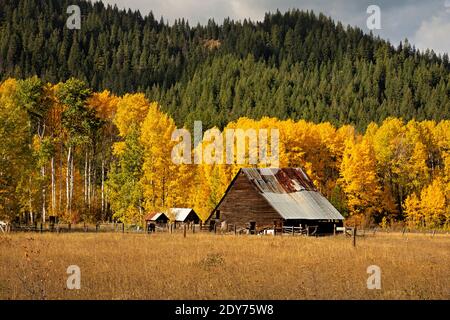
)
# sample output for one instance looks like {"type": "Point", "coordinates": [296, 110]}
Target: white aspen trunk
{"type": "Point", "coordinates": [61, 173]}
{"type": "Point", "coordinates": [44, 189]}
{"type": "Point", "coordinates": [53, 186]}
{"type": "Point", "coordinates": [85, 188]}
{"type": "Point", "coordinates": [44, 207]}
{"type": "Point", "coordinates": [89, 184]}
{"type": "Point", "coordinates": [69, 154]}
{"type": "Point", "coordinates": [71, 181]}
{"type": "Point", "coordinates": [103, 187]}
{"type": "Point", "coordinates": [106, 203]}
{"type": "Point", "coordinates": [30, 202]}
{"type": "Point", "coordinates": [93, 179]}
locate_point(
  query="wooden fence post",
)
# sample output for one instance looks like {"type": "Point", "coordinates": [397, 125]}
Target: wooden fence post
{"type": "Point", "coordinates": [69, 227]}
{"type": "Point", "coordinates": [184, 230]}
{"type": "Point", "coordinates": [123, 227]}
{"type": "Point", "coordinates": [293, 231]}
{"type": "Point", "coordinates": [354, 236]}
{"type": "Point", "coordinates": [41, 227]}
{"type": "Point", "coordinates": [307, 230]}
{"type": "Point", "coordinates": [193, 228]}
{"type": "Point", "coordinates": [215, 228]}
{"type": "Point", "coordinates": [334, 229]}
{"type": "Point", "coordinates": [235, 229]}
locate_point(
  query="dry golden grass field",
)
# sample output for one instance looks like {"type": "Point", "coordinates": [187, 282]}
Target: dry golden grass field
{"type": "Point", "coordinates": [204, 266]}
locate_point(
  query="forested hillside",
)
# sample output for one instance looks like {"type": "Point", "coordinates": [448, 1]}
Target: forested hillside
{"type": "Point", "coordinates": [293, 65]}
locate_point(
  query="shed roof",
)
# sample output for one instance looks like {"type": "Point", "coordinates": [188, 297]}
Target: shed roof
{"type": "Point", "coordinates": [291, 193]}
{"type": "Point", "coordinates": [154, 216]}
{"type": "Point", "coordinates": [180, 214]}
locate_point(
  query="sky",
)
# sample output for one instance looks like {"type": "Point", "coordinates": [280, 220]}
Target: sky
{"type": "Point", "coordinates": [425, 23]}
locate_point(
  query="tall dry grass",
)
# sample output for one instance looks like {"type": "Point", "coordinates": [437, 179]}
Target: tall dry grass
{"type": "Point", "coordinates": [203, 266]}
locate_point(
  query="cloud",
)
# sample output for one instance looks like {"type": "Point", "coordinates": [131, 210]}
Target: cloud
{"type": "Point", "coordinates": [434, 33]}
{"type": "Point", "coordinates": [246, 9]}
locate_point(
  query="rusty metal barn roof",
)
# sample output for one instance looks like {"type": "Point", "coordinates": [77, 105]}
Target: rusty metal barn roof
{"type": "Point", "coordinates": [292, 194]}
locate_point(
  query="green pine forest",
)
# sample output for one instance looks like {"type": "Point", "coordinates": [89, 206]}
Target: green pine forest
{"type": "Point", "coordinates": [292, 65]}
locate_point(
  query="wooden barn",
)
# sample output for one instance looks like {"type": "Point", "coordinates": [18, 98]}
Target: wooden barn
{"type": "Point", "coordinates": [272, 197]}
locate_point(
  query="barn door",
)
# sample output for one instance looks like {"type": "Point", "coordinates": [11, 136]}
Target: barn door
{"type": "Point", "coordinates": [252, 227]}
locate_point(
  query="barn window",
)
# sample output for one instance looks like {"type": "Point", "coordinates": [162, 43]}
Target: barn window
{"type": "Point", "coordinates": [217, 214]}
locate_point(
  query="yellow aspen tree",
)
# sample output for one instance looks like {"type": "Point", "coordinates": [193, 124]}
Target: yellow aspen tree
{"type": "Point", "coordinates": [433, 204]}
{"type": "Point", "coordinates": [392, 155]}
{"type": "Point", "coordinates": [202, 192]}
{"type": "Point", "coordinates": [15, 155]}
{"type": "Point", "coordinates": [413, 211]}
{"type": "Point", "coordinates": [105, 104]}
{"type": "Point", "coordinates": [441, 142]}
{"type": "Point", "coordinates": [359, 178]}
{"type": "Point", "coordinates": [418, 173]}
{"type": "Point", "coordinates": [131, 109]}
{"type": "Point", "coordinates": [417, 149]}
{"type": "Point", "coordinates": [159, 171]}
{"type": "Point", "coordinates": [123, 187]}
{"type": "Point", "coordinates": [212, 192]}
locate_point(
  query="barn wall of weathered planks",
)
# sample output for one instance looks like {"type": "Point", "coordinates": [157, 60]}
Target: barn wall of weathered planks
{"type": "Point", "coordinates": [243, 203]}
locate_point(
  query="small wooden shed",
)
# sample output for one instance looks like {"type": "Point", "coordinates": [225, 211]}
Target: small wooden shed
{"type": "Point", "coordinates": [184, 215]}
{"type": "Point", "coordinates": [155, 219]}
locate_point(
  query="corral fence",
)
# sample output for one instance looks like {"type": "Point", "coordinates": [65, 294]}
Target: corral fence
{"type": "Point", "coordinates": [107, 228]}
{"type": "Point", "coordinates": [78, 227]}
{"type": "Point", "coordinates": [306, 231]}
